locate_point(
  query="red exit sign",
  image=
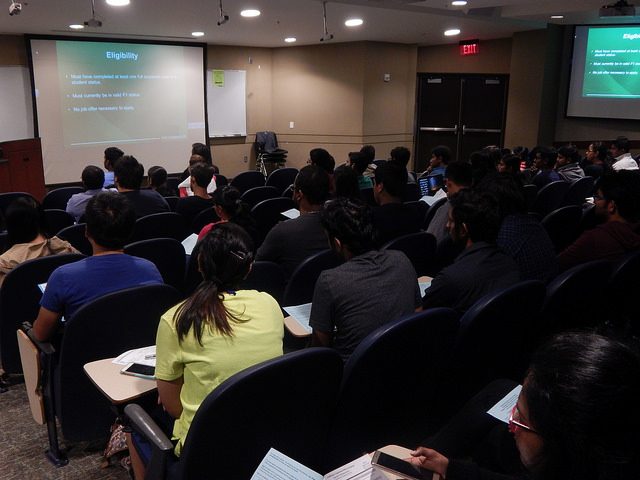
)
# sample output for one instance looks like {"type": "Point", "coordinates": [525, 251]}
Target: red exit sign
{"type": "Point", "coordinates": [469, 47]}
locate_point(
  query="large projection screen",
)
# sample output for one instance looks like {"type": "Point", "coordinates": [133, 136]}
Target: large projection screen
{"type": "Point", "coordinates": [147, 99]}
{"type": "Point", "coordinates": [605, 72]}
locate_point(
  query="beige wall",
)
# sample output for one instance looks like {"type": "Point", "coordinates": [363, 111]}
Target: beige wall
{"type": "Point", "coordinates": [12, 50]}
{"type": "Point", "coordinates": [494, 57]}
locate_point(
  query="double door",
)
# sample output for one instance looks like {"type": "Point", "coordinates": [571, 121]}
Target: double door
{"type": "Point", "coordinates": [463, 112]}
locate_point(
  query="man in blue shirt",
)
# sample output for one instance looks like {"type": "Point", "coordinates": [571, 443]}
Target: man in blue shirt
{"type": "Point", "coordinates": [92, 181]}
{"type": "Point", "coordinates": [110, 221]}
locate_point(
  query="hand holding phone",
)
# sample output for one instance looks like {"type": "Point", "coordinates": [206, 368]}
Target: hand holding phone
{"type": "Point", "coordinates": [400, 467]}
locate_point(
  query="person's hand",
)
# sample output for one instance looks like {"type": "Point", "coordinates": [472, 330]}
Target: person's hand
{"type": "Point", "coordinates": [430, 460]}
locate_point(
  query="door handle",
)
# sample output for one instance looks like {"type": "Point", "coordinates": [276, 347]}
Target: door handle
{"type": "Point", "coordinates": [439, 129]}
{"type": "Point", "coordinates": [465, 129]}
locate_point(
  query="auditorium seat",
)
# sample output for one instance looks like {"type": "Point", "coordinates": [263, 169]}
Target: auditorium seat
{"type": "Point", "coordinates": [282, 178]}
{"type": "Point", "coordinates": [303, 279]}
{"type": "Point", "coordinates": [247, 180]}
{"type": "Point", "coordinates": [255, 195]}
{"type": "Point", "coordinates": [563, 226]}
{"type": "Point", "coordinates": [266, 277]}
{"type": "Point", "coordinates": [268, 213]}
{"type": "Point", "coordinates": [550, 197]}
{"type": "Point", "coordinates": [578, 191]}
{"type": "Point", "coordinates": [58, 198]}
{"type": "Point", "coordinates": [75, 235]}
{"type": "Point", "coordinates": [160, 225]}
{"type": "Point", "coordinates": [419, 247]}
{"type": "Point", "coordinates": [205, 217]}
{"type": "Point", "coordinates": [167, 254]}
{"type": "Point", "coordinates": [432, 211]}
{"type": "Point", "coordinates": [623, 307]}
{"type": "Point", "coordinates": [56, 220]}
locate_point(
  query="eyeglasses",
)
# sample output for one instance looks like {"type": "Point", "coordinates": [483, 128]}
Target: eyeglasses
{"type": "Point", "coordinates": [514, 425]}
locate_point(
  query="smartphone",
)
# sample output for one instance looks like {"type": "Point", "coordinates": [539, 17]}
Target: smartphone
{"type": "Point", "coordinates": [400, 467]}
{"type": "Point", "coordinates": [139, 370]}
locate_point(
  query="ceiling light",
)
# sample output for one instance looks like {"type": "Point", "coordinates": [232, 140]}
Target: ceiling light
{"type": "Point", "coordinates": [353, 22]}
{"type": "Point", "coordinates": [290, 39]}
{"type": "Point", "coordinates": [451, 32]}
{"type": "Point", "coordinates": [557, 16]}
{"type": "Point", "coordinates": [250, 13]}
{"type": "Point", "coordinates": [117, 3]}
{"type": "Point", "coordinates": [197, 34]}
{"type": "Point", "coordinates": [76, 26]}
{"type": "Point", "coordinates": [459, 3]}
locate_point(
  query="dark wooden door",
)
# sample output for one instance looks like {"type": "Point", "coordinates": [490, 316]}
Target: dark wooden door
{"type": "Point", "coordinates": [463, 112]}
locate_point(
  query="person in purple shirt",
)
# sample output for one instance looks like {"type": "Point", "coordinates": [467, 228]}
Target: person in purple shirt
{"type": "Point", "coordinates": [92, 181]}
{"type": "Point", "coordinates": [110, 221]}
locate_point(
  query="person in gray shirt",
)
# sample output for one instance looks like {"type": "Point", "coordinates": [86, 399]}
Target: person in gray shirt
{"type": "Point", "coordinates": [370, 289]}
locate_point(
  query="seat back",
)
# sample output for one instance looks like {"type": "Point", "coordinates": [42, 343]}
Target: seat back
{"type": "Point", "coordinates": [285, 403]}
{"type": "Point", "coordinates": [367, 196]}
{"type": "Point", "coordinates": [255, 195]}
{"type": "Point", "coordinates": [396, 369]}
{"type": "Point", "coordinates": [575, 298]}
{"type": "Point", "coordinates": [205, 217]}
{"type": "Point", "coordinates": [167, 254]}
{"type": "Point", "coordinates": [31, 368]}
{"type": "Point", "coordinates": [56, 220]}
{"type": "Point", "coordinates": [103, 328]}
{"type": "Point", "coordinates": [550, 197]}
{"type": "Point", "coordinates": [563, 226]}
{"type": "Point", "coordinates": [419, 247]}
{"type": "Point", "coordinates": [268, 213]}
{"type": "Point", "coordinates": [247, 180]}
{"type": "Point", "coordinates": [20, 302]}
{"type": "Point", "coordinates": [578, 191]}
{"type": "Point", "coordinates": [493, 338]}
{"type": "Point", "coordinates": [58, 198]}
{"type": "Point", "coordinates": [160, 225]}
{"type": "Point", "coordinates": [75, 235]}
{"type": "Point", "coordinates": [412, 193]}
{"type": "Point", "coordinates": [8, 197]}
{"type": "Point", "coordinates": [432, 211]}
{"type": "Point", "coordinates": [221, 180]}
{"type": "Point", "coordinates": [303, 280]}
{"type": "Point", "coordinates": [266, 277]}
{"type": "Point", "coordinates": [282, 178]}
{"type": "Point", "coordinates": [623, 306]}
{"type": "Point", "coordinates": [530, 194]}
{"type": "Point", "coordinates": [172, 201]}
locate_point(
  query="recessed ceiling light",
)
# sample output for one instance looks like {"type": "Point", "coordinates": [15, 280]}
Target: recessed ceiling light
{"type": "Point", "coordinates": [557, 16]}
{"type": "Point", "coordinates": [117, 3]}
{"type": "Point", "coordinates": [459, 3]}
{"type": "Point", "coordinates": [197, 34]}
{"type": "Point", "coordinates": [353, 22]}
{"type": "Point", "coordinates": [250, 13]}
{"type": "Point", "coordinates": [451, 32]}
{"type": "Point", "coordinates": [76, 26]}
{"type": "Point", "coordinates": [290, 39]}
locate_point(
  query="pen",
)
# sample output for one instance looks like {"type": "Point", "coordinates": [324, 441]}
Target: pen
{"type": "Point", "coordinates": [149, 357]}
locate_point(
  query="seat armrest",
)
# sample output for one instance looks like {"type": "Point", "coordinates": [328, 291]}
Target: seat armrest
{"type": "Point", "coordinates": [161, 446]}
{"type": "Point", "coordinates": [44, 347]}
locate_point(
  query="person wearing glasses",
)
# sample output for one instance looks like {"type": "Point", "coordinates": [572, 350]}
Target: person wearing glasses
{"type": "Point", "coordinates": [576, 418]}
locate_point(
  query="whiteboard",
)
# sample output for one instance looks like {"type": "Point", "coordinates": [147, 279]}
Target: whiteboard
{"type": "Point", "coordinates": [16, 107]}
{"type": "Point", "coordinates": [226, 104]}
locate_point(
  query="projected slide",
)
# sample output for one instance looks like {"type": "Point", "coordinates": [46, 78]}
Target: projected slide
{"type": "Point", "coordinates": [147, 99]}
{"type": "Point", "coordinates": [612, 63]}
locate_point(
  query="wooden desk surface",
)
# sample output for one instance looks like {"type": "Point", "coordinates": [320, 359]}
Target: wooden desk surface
{"type": "Point", "coordinates": [118, 388]}
{"type": "Point", "coordinates": [402, 453]}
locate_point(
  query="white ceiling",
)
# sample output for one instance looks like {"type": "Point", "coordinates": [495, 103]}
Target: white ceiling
{"type": "Point", "coordinates": [400, 21]}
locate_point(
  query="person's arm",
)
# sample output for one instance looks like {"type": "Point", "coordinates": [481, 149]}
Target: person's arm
{"type": "Point", "coordinates": [578, 252]}
{"type": "Point", "coordinates": [45, 324]}
{"type": "Point", "coordinates": [440, 293]}
{"type": "Point", "coordinates": [271, 248]}
{"type": "Point", "coordinates": [321, 317]}
{"type": "Point", "coordinates": [320, 339]}
{"type": "Point", "coordinates": [169, 393]}
{"type": "Point", "coordinates": [430, 460]}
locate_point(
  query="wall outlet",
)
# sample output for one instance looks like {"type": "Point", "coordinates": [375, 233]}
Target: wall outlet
{"type": "Point", "coordinates": [292, 124]}
{"type": "Point", "coordinates": [387, 77]}
{"type": "Point", "coordinates": [246, 159]}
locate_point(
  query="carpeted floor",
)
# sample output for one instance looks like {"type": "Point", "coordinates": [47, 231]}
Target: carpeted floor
{"type": "Point", "coordinates": [23, 442]}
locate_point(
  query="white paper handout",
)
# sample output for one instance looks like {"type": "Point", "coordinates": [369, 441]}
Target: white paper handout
{"type": "Point", "coordinates": [423, 287]}
{"type": "Point", "coordinates": [291, 213]}
{"type": "Point", "coordinates": [430, 200]}
{"type": "Point", "coordinates": [143, 356]}
{"type": "Point", "coordinates": [502, 409]}
{"type": "Point", "coordinates": [189, 243]}
{"type": "Point", "coordinates": [301, 314]}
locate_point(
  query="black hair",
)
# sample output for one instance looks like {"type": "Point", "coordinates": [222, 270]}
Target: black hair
{"type": "Point", "coordinates": [228, 198]}
{"type": "Point", "coordinates": [157, 176]}
{"type": "Point", "coordinates": [548, 155]}
{"type": "Point", "coordinates": [478, 212]}
{"type": "Point", "coordinates": [601, 150]}
{"type": "Point", "coordinates": [24, 221]}
{"type": "Point", "coordinates": [522, 152]}
{"type": "Point", "coordinates": [442, 151]}
{"type": "Point", "coordinates": [224, 259]}
{"type": "Point", "coordinates": [203, 150]}
{"type": "Point", "coordinates": [313, 182]}
{"type": "Point", "coordinates": [369, 151]}
{"type": "Point", "coordinates": [623, 187]}
{"type": "Point", "coordinates": [570, 153]}
{"type": "Point", "coordinates": [481, 165]}
{"type": "Point", "coordinates": [323, 159]}
{"type": "Point", "coordinates": [400, 155]}
{"type": "Point", "coordinates": [581, 391]}
{"type": "Point", "coordinates": [128, 172]}
{"type": "Point", "coordinates": [393, 178]}
{"type": "Point", "coordinates": [92, 177]}
{"type": "Point", "coordinates": [345, 181]}
{"type": "Point", "coordinates": [494, 153]}
{"type": "Point", "coordinates": [459, 173]}
{"type": "Point", "coordinates": [507, 190]}
{"type": "Point", "coordinates": [202, 173]}
{"type": "Point", "coordinates": [622, 143]}
{"type": "Point", "coordinates": [110, 220]}
{"type": "Point", "coordinates": [351, 222]}
{"type": "Point", "coordinates": [513, 163]}
{"type": "Point", "coordinates": [111, 155]}
{"type": "Point", "coordinates": [359, 162]}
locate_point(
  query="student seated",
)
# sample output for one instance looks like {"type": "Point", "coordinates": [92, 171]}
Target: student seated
{"type": "Point", "coordinates": [110, 221]}
{"type": "Point", "coordinates": [370, 289]}
{"type": "Point", "coordinates": [157, 179]}
{"type": "Point", "coordinates": [129, 173]}
{"type": "Point", "coordinates": [92, 181]}
{"type": "Point", "coordinates": [217, 332]}
{"type": "Point", "coordinates": [190, 207]}
{"type": "Point", "coordinates": [576, 419]}
{"type": "Point", "coordinates": [567, 164]}
{"type": "Point", "coordinates": [111, 156]}
{"type": "Point", "coordinates": [345, 180]}
{"type": "Point", "coordinates": [622, 158]}
{"type": "Point", "coordinates": [482, 267]}
{"type": "Point", "coordinates": [440, 158]}
{"type": "Point", "coordinates": [26, 239]}
{"type": "Point", "coordinates": [359, 162]}
{"type": "Point", "coordinates": [544, 163]}
{"type": "Point", "coordinates": [401, 156]}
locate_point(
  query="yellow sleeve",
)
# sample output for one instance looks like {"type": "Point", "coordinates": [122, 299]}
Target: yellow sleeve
{"type": "Point", "coordinates": [169, 364]}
